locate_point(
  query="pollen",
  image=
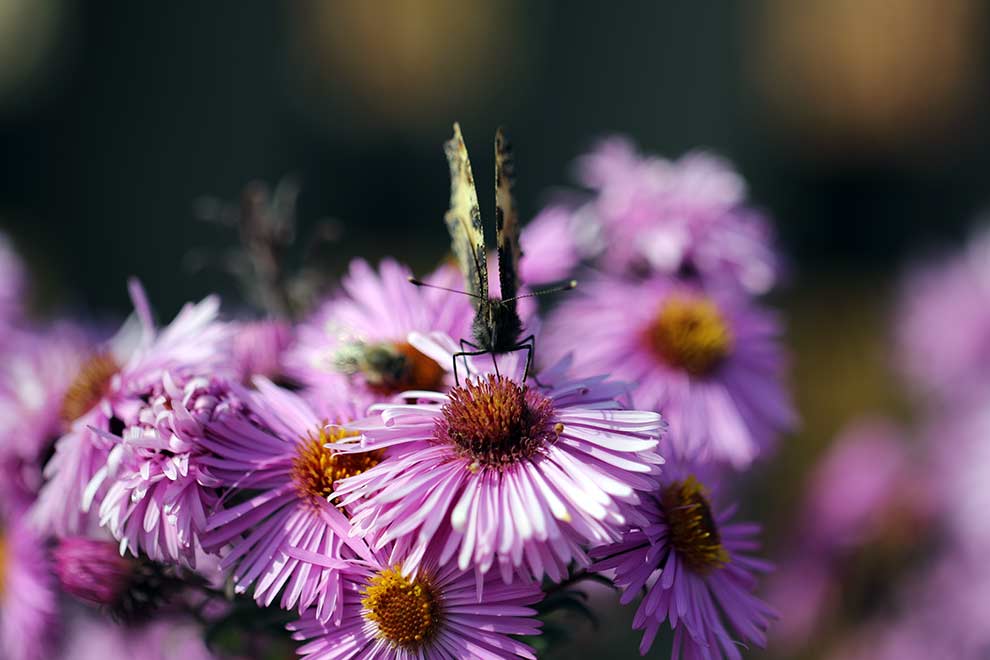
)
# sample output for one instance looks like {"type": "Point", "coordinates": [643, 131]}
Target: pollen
{"type": "Point", "coordinates": [405, 610]}
{"type": "Point", "coordinates": [692, 531]}
{"type": "Point", "coordinates": [494, 422]}
{"type": "Point", "coordinates": [90, 385]}
{"type": "Point", "coordinates": [316, 468]}
{"type": "Point", "coordinates": [690, 334]}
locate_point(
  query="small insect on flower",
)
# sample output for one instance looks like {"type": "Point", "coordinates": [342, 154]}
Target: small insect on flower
{"type": "Point", "coordinates": [497, 326]}
{"type": "Point", "coordinates": [389, 367]}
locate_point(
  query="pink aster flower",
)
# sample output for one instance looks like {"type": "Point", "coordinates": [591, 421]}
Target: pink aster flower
{"type": "Point", "coordinates": [28, 606]}
{"type": "Point", "coordinates": [498, 471]}
{"type": "Point", "coordinates": [696, 567]}
{"type": "Point", "coordinates": [712, 364]}
{"type": "Point", "coordinates": [862, 487]}
{"type": "Point", "coordinates": [393, 609]}
{"type": "Point", "coordinates": [688, 215]}
{"type": "Point", "coordinates": [943, 326]}
{"type": "Point", "coordinates": [357, 341]}
{"type": "Point", "coordinates": [260, 348]}
{"type": "Point", "coordinates": [92, 569]}
{"type": "Point", "coordinates": [162, 639]}
{"type": "Point", "coordinates": [108, 393]}
{"type": "Point", "coordinates": [160, 492]}
{"type": "Point", "coordinates": [278, 454]}
{"type": "Point", "coordinates": [959, 444]}
{"type": "Point", "coordinates": [551, 246]}
{"type": "Point", "coordinates": [36, 370]}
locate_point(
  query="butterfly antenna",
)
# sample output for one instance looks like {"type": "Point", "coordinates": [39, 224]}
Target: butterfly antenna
{"type": "Point", "coordinates": [567, 286]}
{"type": "Point", "coordinates": [413, 280]}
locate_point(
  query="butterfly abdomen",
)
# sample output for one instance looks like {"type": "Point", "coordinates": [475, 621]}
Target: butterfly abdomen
{"type": "Point", "coordinates": [496, 326]}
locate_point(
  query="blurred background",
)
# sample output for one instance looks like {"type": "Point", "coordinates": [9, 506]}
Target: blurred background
{"type": "Point", "coordinates": [860, 127]}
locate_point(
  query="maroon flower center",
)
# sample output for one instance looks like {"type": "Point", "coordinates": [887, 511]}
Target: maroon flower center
{"type": "Point", "coordinates": [494, 422]}
{"type": "Point", "coordinates": [690, 333]}
{"type": "Point", "coordinates": [692, 531]}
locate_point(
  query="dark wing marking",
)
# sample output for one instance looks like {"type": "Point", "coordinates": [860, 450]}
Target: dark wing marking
{"type": "Point", "coordinates": [467, 235]}
{"type": "Point", "coordinates": [506, 218]}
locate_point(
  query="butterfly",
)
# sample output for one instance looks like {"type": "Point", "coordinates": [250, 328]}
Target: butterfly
{"type": "Point", "coordinates": [497, 327]}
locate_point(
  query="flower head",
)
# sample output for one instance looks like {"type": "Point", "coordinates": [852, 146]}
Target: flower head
{"type": "Point", "coordinates": [943, 328]}
{"type": "Point", "coordinates": [677, 217]}
{"type": "Point", "coordinates": [160, 490]}
{"type": "Point", "coordinates": [108, 394]}
{"type": "Point", "coordinates": [498, 471]}
{"type": "Point", "coordinates": [356, 344]}
{"type": "Point", "coordinates": [260, 348]}
{"type": "Point", "coordinates": [280, 450]}
{"type": "Point", "coordinates": [28, 606]}
{"type": "Point", "coordinates": [92, 569]}
{"type": "Point", "coordinates": [432, 610]}
{"type": "Point", "coordinates": [712, 364]}
{"type": "Point", "coordinates": [696, 568]}
{"type": "Point", "coordinates": [36, 370]}
{"type": "Point", "coordinates": [164, 638]}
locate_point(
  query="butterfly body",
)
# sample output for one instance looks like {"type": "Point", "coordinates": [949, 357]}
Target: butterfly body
{"type": "Point", "coordinates": [497, 327]}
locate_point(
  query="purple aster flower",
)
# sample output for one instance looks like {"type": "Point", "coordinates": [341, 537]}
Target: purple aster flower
{"type": "Point", "coordinates": [673, 217]}
{"type": "Point", "coordinates": [160, 491]}
{"type": "Point", "coordinates": [36, 369]}
{"type": "Point", "coordinates": [128, 589]}
{"type": "Point", "coordinates": [109, 391]}
{"type": "Point", "coordinates": [279, 455]}
{"type": "Point", "coordinates": [162, 639]}
{"type": "Point", "coordinates": [959, 444]}
{"type": "Point", "coordinates": [941, 615]}
{"type": "Point", "coordinates": [804, 589]}
{"type": "Point", "coordinates": [393, 609]}
{"type": "Point", "coordinates": [260, 348]}
{"type": "Point", "coordinates": [356, 344]}
{"type": "Point", "coordinates": [944, 322]}
{"type": "Point", "coordinates": [498, 471]}
{"type": "Point", "coordinates": [696, 567]}
{"type": "Point", "coordinates": [92, 569]}
{"type": "Point", "coordinates": [28, 607]}
{"type": "Point", "coordinates": [862, 486]}
{"type": "Point", "coordinates": [712, 364]}
{"type": "Point", "coordinates": [551, 247]}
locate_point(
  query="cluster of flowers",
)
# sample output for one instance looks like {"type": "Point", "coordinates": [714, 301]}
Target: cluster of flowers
{"type": "Point", "coordinates": [337, 469]}
{"type": "Point", "coordinates": [898, 511]}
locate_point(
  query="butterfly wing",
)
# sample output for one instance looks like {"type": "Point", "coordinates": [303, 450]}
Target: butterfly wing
{"type": "Point", "coordinates": [467, 235]}
{"type": "Point", "coordinates": [506, 219]}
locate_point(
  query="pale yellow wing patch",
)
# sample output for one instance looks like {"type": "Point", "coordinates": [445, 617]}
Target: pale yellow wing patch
{"type": "Point", "coordinates": [463, 220]}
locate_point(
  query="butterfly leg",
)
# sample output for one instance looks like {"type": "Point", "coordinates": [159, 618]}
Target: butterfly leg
{"type": "Point", "coordinates": [529, 343]}
{"type": "Point", "coordinates": [465, 355]}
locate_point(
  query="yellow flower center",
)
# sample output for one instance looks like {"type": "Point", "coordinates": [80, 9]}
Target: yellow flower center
{"type": "Point", "coordinates": [91, 385]}
{"type": "Point", "coordinates": [692, 531]}
{"type": "Point", "coordinates": [405, 611]}
{"type": "Point", "coordinates": [690, 334]}
{"type": "Point", "coordinates": [316, 468]}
